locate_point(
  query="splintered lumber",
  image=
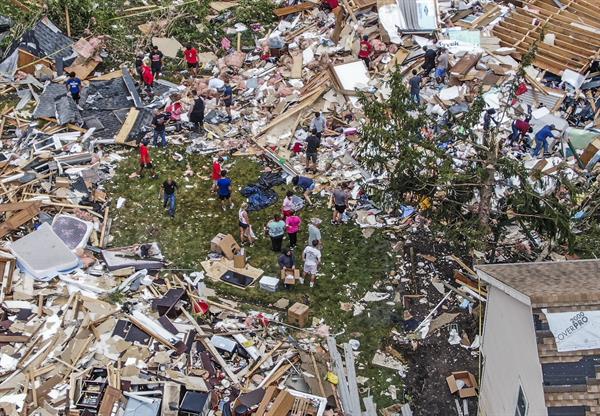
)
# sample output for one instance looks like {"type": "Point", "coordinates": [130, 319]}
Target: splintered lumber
{"type": "Point", "coordinates": [284, 11]}
{"type": "Point", "coordinates": [211, 348]}
{"type": "Point", "coordinates": [21, 217]}
{"type": "Point", "coordinates": [123, 134]}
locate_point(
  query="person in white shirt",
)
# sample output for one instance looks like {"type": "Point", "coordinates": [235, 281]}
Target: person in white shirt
{"type": "Point", "coordinates": [319, 124]}
{"type": "Point", "coordinates": [312, 258]}
{"type": "Point", "coordinates": [246, 233]}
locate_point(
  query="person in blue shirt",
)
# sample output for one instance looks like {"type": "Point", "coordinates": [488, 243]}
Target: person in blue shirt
{"type": "Point", "coordinates": [224, 190]}
{"type": "Point", "coordinates": [73, 85]}
{"type": "Point", "coordinates": [228, 98]}
{"type": "Point", "coordinates": [541, 139]}
{"type": "Point", "coordinates": [307, 185]}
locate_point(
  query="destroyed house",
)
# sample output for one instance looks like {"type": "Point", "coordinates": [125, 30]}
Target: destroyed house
{"type": "Point", "coordinates": [541, 339]}
{"type": "Point", "coordinates": [570, 29]}
{"type": "Point", "coordinates": [43, 44]}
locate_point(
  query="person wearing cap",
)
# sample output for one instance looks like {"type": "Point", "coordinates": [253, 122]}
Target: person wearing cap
{"type": "Point", "coordinates": [541, 139]}
{"type": "Point", "coordinates": [314, 233]}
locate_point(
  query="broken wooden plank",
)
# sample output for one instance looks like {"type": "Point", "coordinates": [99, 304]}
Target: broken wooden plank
{"type": "Point", "coordinates": [123, 134]}
{"type": "Point", "coordinates": [21, 217]}
{"type": "Point", "coordinates": [284, 11]}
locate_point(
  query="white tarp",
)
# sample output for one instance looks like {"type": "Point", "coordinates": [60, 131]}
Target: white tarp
{"type": "Point", "coordinates": [574, 331]}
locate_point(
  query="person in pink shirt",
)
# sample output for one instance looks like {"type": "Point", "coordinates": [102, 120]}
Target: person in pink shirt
{"type": "Point", "coordinates": [292, 226]}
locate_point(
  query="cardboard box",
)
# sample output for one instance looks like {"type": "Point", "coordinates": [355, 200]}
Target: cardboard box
{"type": "Point", "coordinates": [285, 274]}
{"type": "Point", "coordinates": [239, 259]}
{"type": "Point", "coordinates": [298, 314]}
{"type": "Point", "coordinates": [224, 244]}
{"type": "Point", "coordinates": [470, 384]}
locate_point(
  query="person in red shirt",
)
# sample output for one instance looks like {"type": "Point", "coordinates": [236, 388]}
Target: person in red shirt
{"type": "Point", "coordinates": [520, 128]}
{"type": "Point", "coordinates": [145, 161]}
{"type": "Point", "coordinates": [365, 50]}
{"type": "Point", "coordinates": [148, 77]}
{"type": "Point", "coordinates": [216, 172]}
{"type": "Point", "coordinates": [191, 57]}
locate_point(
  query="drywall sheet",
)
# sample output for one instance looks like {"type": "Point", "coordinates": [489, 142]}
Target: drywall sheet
{"type": "Point", "coordinates": [352, 75]}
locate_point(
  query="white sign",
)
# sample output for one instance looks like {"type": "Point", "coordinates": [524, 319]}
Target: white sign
{"type": "Point", "coordinates": [574, 331]}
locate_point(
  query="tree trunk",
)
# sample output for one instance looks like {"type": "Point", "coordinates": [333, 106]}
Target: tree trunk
{"type": "Point", "coordinates": [488, 185]}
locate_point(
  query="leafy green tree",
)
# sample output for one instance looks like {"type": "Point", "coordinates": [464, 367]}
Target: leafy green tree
{"type": "Point", "coordinates": [423, 158]}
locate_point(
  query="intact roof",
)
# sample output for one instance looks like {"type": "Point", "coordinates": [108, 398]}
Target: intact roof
{"type": "Point", "coordinates": [564, 283]}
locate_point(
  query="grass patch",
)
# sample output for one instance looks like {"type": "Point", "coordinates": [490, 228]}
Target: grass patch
{"type": "Point", "coordinates": [351, 266]}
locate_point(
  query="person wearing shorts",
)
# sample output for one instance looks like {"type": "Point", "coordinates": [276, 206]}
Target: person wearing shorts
{"type": "Point", "coordinates": [145, 161]}
{"type": "Point", "coordinates": [307, 185]}
{"type": "Point", "coordinates": [224, 190]}
{"type": "Point", "coordinates": [312, 258]}
{"type": "Point", "coordinates": [191, 57]}
{"type": "Point", "coordinates": [74, 87]}
{"type": "Point", "coordinates": [246, 233]}
{"type": "Point", "coordinates": [339, 198]}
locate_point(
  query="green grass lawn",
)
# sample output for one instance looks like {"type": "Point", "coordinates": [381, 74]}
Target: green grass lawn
{"type": "Point", "coordinates": [351, 264]}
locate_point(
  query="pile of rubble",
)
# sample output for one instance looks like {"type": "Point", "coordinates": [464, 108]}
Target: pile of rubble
{"type": "Point", "coordinates": [161, 346]}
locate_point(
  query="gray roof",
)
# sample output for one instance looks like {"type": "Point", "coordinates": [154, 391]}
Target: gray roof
{"type": "Point", "coordinates": [564, 283]}
{"type": "Point", "coordinates": [46, 39]}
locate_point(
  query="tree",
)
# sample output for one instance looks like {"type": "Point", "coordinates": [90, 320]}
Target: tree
{"type": "Point", "coordinates": [421, 157]}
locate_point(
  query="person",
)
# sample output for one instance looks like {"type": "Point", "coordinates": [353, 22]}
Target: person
{"type": "Point", "coordinates": [442, 66]}
{"type": "Point", "coordinates": [169, 187]}
{"type": "Point", "coordinates": [292, 226]}
{"type": "Point", "coordinates": [488, 117]}
{"type": "Point", "coordinates": [312, 258]}
{"type": "Point", "coordinates": [224, 190]}
{"type": "Point", "coordinates": [156, 57]}
{"type": "Point", "coordinates": [312, 145]}
{"type": "Point", "coordinates": [246, 233]}
{"type": "Point", "coordinates": [339, 198]}
{"type": "Point", "coordinates": [318, 123]}
{"type": "Point", "coordinates": [286, 260]}
{"type": "Point", "coordinates": [541, 139]}
{"type": "Point", "coordinates": [429, 63]}
{"type": "Point", "coordinates": [73, 85]}
{"type": "Point", "coordinates": [520, 128]}
{"type": "Point", "coordinates": [191, 57]}
{"type": "Point", "coordinates": [275, 229]}
{"type": "Point", "coordinates": [147, 77]}
{"type": "Point", "coordinates": [139, 63]}
{"type": "Point", "coordinates": [415, 86]}
{"type": "Point", "coordinates": [288, 204]}
{"type": "Point", "coordinates": [196, 114]}
{"type": "Point", "coordinates": [158, 122]}
{"type": "Point", "coordinates": [227, 98]}
{"type": "Point", "coordinates": [314, 233]}
{"type": "Point", "coordinates": [175, 109]}
{"type": "Point", "coordinates": [217, 166]}
{"type": "Point", "coordinates": [145, 161]}
{"type": "Point", "coordinates": [287, 264]}
{"type": "Point", "coordinates": [307, 185]}
{"type": "Point", "coordinates": [365, 50]}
